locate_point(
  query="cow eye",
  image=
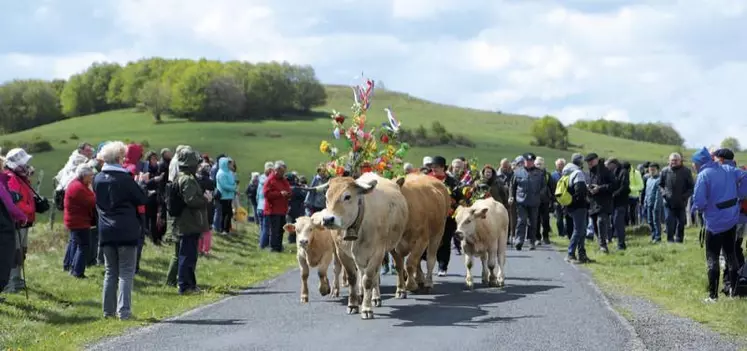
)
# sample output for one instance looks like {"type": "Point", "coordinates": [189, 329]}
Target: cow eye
{"type": "Point", "coordinates": [347, 197]}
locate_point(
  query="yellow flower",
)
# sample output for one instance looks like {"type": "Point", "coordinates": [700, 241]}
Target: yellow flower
{"type": "Point", "coordinates": [324, 147]}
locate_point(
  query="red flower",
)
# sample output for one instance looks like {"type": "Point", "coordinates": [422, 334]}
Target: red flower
{"type": "Point", "coordinates": [340, 119]}
{"type": "Point", "coordinates": [384, 138]}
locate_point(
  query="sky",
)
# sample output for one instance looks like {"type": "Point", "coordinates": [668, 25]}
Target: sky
{"type": "Point", "coordinates": [682, 62]}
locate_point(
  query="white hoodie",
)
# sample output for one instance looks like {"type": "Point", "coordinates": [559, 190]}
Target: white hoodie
{"type": "Point", "coordinates": [67, 173]}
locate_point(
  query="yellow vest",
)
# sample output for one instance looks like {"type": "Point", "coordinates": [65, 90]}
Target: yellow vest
{"type": "Point", "coordinates": [636, 183]}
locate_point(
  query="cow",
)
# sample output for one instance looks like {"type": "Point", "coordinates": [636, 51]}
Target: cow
{"type": "Point", "coordinates": [371, 215]}
{"type": "Point", "coordinates": [483, 229]}
{"type": "Point", "coordinates": [428, 203]}
{"type": "Point", "coordinates": [316, 249]}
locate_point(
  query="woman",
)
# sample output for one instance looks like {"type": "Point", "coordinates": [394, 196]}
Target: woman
{"type": "Point", "coordinates": [118, 197]}
{"type": "Point", "coordinates": [295, 205]}
{"type": "Point", "coordinates": [151, 208]}
{"type": "Point", "coordinates": [251, 193]}
{"type": "Point", "coordinates": [497, 189]}
{"type": "Point", "coordinates": [226, 185]}
{"type": "Point", "coordinates": [203, 179]}
{"type": "Point", "coordinates": [18, 171]}
{"type": "Point", "coordinates": [315, 200]}
{"type": "Point", "coordinates": [80, 204]}
{"type": "Point", "coordinates": [10, 217]}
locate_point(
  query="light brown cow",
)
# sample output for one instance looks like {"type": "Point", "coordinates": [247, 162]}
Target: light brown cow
{"type": "Point", "coordinates": [428, 203]}
{"type": "Point", "coordinates": [316, 249]}
{"type": "Point", "coordinates": [372, 214]}
{"type": "Point", "coordinates": [483, 228]}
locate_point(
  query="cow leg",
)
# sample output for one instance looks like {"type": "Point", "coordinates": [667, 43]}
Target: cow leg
{"type": "Point", "coordinates": [468, 264]}
{"type": "Point", "coordinates": [337, 269]}
{"type": "Point", "coordinates": [345, 279]}
{"type": "Point", "coordinates": [414, 279]}
{"type": "Point", "coordinates": [304, 279]}
{"type": "Point", "coordinates": [502, 267]}
{"type": "Point", "coordinates": [485, 270]}
{"type": "Point", "coordinates": [492, 258]}
{"type": "Point", "coordinates": [376, 292]}
{"type": "Point", "coordinates": [324, 289]}
{"type": "Point", "coordinates": [430, 262]}
{"type": "Point", "coordinates": [402, 274]}
{"type": "Point", "coordinates": [369, 271]}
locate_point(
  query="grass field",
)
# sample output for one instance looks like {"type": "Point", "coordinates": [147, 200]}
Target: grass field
{"type": "Point", "coordinates": [671, 275]}
{"type": "Point", "coordinates": [64, 313]}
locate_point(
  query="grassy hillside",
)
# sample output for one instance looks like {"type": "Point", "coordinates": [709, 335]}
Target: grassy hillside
{"type": "Point", "coordinates": [296, 140]}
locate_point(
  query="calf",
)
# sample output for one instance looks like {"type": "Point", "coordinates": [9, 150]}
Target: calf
{"type": "Point", "coordinates": [316, 249]}
{"type": "Point", "coordinates": [483, 229]}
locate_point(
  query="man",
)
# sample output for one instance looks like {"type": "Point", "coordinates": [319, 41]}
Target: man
{"type": "Point", "coordinates": [677, 185]}
{"type": "Point", "coordinates": [726, 157]}
{"type": "Point", "coordinates": [636, 187]}
{"type": "Point", "coordinates": [577, 210]}
{"type": "Point", "coordinates": [601, 184]}
{"type": "Point", "coordinates": [192, 221]}
{"type": "Point", "coordinates": [642, 209]}
{"type": "Point", "coordinates": [620, 199]}
{"type": "Point", "coordinates": [717, 190]}
{"type": "Point", "coordinates": [547, 198]}
{"type": "Point", "coordinates": [559, 211]}
{"type": "Point", "coordinates": [506, 174]}
{"type": "Point", "coordinates": [526, 190]}
{"type": "Point", "coordinates": [264, 235]}
{"type": "Point", "coordinates": [438, 171]}
{"type": "Point", "coordinates": [653, 202]}
{"type": "Point", "coordinates": [277, 192]}
{"type": "Point", "coordinates": [163, 171]}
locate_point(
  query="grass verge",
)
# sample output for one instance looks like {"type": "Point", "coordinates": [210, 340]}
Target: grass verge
{"type": "Point", "coordinates": [63, 313]}
{"type": "Point", "coordinates": [670, 275]}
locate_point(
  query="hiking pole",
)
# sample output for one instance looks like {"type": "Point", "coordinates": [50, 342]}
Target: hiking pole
{"type": "Point", "coordinates": [22, 266]}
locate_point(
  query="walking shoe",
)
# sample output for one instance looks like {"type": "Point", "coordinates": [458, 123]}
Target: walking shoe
{"type": "Point", "coordinates": [537, 243]}
{"type": "Point", "coordinates": [571, 259]}
{"type": "Point", "coordinates": [518, 247]}
{"type": "Point", "coordinates": [709, 300]}
{"type": "Point", "coordinates": [584, 259]}
{"type": "Point", "coordinates": [604, 249]}
{"type": "Point", "coordinates": [532, 246]}
{"type": "Point", "coordinates": [384, 268]}
{"type": "Point", "coordinates": [546, 241]}
{"type": "Point", "coordinates": [441, 273]}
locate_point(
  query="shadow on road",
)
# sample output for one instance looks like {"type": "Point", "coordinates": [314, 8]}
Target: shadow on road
{"type": "Point", "coordinates": [207, 321]}
{"type": "Point", "coordinates": [257, 292]}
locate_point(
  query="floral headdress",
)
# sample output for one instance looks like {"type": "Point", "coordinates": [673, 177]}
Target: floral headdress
{"type": "Point", "coordinates": [372, 150]}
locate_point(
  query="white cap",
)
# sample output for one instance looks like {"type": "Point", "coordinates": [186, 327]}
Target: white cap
{"type": "Point", "coordinates": [269, 165]}
{"type": "Point", "coordinates": [427, 160]}
{"type": "Point", "coordinates": [16, 158]}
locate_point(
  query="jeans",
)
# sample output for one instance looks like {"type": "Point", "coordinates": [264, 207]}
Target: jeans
{"type": "Point", "coordinates": [443, 255]}
{"type": "Point", "coordinates": [7, 256]}
{"type": "Point", "coordinates": [119, 265]}
{"type": "Point", "coordinates": [81, 241]}
{"type": "Point", "coordinates": [226, 214]}
{"type": "Point", "coordinates": [579, 217]}
{"type": "Point", "coordinates": [714, 243]}
{"type": "Point", "coordinates": [526, 221]}
{"type": "Point", "coordinates": [264, 231]}
{"type": "Point", "coordinates": [217, 216]}
{"type": "Point", "coordinates": [173, 266]}
{"type": "Point", "coordinates": [94, 256]}
{"type": "Point", "coordinates": [632, 214]}
{"type": "Point", "coordinates": [619, 221]}
{"type": "Point", "coordinates": [187, 261]}
{"type": "Point", "coordinates": [16, 281]}
{"type": "Point", "coordinates": [275, 229]}
{"type": "Point", "coordinates": [560, 220]}
{"type": "Point", "coordinates": [67, 261]}
{"type": "Point", "coordinates": [676, 222]}
{"type": "Point", "coordinates": [601, 223]}
{"type": "Point", "coordinates": [542, 231]}
{"type": "Point", "coordinates": [654, 222]}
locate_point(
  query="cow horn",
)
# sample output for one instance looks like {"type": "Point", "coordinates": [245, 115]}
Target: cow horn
{"type": "Point", "coordinates": [320, 188]}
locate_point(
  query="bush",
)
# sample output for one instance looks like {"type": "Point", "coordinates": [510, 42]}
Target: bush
{"type": "Point", "coordinates": [145, 143]}
{"type": "Point", "coordinates": [63, 141]}
{"type": "Point", "coordinates": [436, 137]}
{"type": "Point", "coordinates": [548, 131]}
{"type": "Point", "coordinates": [273, 135]}
{"type": "Point", "coordinates": [34, 146]}
{"type": "Point", "coordinates": [74, 136]}
{"type": "Point", "coordinates": [249, 133]}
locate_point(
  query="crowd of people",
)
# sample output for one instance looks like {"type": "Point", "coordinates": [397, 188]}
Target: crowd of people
{"type": "Point", "coordinates": [115, 195]}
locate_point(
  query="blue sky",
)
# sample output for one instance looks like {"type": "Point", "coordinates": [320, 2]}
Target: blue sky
{"type": "Point", "coordinates": [679, 61]}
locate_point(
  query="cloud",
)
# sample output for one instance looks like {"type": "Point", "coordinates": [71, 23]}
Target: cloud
{"type": "Point", "coordinates": [671, 61]}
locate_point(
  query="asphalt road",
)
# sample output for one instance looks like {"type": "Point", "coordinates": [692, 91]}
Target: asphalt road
{"type": "Point", "coordinates": [546, 304]}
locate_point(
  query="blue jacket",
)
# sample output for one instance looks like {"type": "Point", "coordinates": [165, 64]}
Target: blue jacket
{"type": "Point", "coordinates": [717, 190]}
{"type": "Point", "coordinates": [225, 181]}
{"type": "Point", "coordinates": [316, 199]}
{"type": "Point", "coordinates": [528, 186]}
{"type": "Point", "coordinates": [117, 199]}
{"type": "Point", "coordinates": [653, 197]}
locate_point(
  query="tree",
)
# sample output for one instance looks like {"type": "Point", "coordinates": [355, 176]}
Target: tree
{"type": "Point", "coordinates": [77, 98]}
{"type": "Point", "coordinates": [658, 133]}
{"type": "Point", "coordinates": [156, 97]}
{"type": "Point", "coordinates": [26, 104]}
{"type": "Point", "coordinates": [731, 143]}
{"type": "Point", "coordinates": [548, 131]}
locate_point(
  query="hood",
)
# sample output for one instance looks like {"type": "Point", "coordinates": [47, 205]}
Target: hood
{"type": "Point", "coordinates": [223, 164]}
{"type": "Point", "coordinates": [174, 166]}
{"type": "Point", "coordinates": [134, 153]}
{"type": "Point", "coordinates": [188, 159]}
{"type": "Point", "coordinates": [702, 157]}
{"type": "Point", "coordinates": [730, 163]}
{"type": "Point", "coordinates": [570, 168]}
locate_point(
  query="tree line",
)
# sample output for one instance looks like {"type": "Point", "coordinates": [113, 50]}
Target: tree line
{"type": "Point", "coordinates": [657, 133]}
{"type": "Point", "coordinates": [437, 136]}
{"type": "Point", "coordinates": [200, 90]}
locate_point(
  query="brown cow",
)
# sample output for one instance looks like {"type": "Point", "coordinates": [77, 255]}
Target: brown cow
{"type": "Point", "coordinates": [483, 228]}
{"type": "Point", "coordinates": [428, 206]}
{"type": "Point", "coordinates": [371, 211]}
{"type": "Point", "coordinates": [316, 248]}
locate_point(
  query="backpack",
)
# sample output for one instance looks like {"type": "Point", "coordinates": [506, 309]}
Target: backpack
{"type": "Point", "coordinates": [562, 192]}
{"type": "Point", "coordinates": [174, 201]}
{"type": "Point", "coordinates": [59, 199]}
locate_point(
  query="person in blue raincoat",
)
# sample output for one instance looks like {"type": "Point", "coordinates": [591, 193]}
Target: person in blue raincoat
{"type": "Point", "coordinates": [718, 189]}
{"type": "Point", "coordinates": [225, 183]}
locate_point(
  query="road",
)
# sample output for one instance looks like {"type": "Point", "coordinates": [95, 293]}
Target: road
{"type": "Point", "coordinates": [546, 304]}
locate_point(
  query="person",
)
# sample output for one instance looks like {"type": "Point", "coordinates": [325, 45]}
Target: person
{"type": "Point", "coordinates": [620, 199]}
{"type": "Point", "coordinates": [153, 190]}
{"type": "Point", "coordinates": [601, 184]}
{"type": "Point", "coordinates": [461, 173]}
{"type": "Point", "coordinates": [206, 239]}
{"type": "Point", "coordinates": [677, 185]}
{"type": "Point", "coordinates": [716, 193]}
{"type": "Point", "coordinates": [133, 163]}
{"type": "Point", "coordinates": [217, 210]}
{"type": "Point", "coordinates": [78, 216]}
{"type": "Point", "coordinates": [726, 157]}
{"type": "Point", "coordinates": [17, 169]}
{"type": "Point", "coordinates": [316, 200]}
{"type": "Point", "coordinates": [409, 168]}
{"type": "Point", "coordinates": [653, 202]}
{"type": "Point", "coordinates": [277, 192]}
{"type": "Point", "coordinates": [10, 217]}
{"type": "Point", "coordinates": [438, 171]}
{"type": "Point", "coordinates": [251, 193]}
{"type": "Point", "coordinates": [225, 183]}
{"type": "Point", "coordinates": [560, 213]}
{"type": "Point", "coordinates": [192, 221]}
{"type": "Point", "coordinates": [506, 174]}
{"type": "Point", "coordinates": [542, 231]}
{"type": "Point", "coordinates": [296, 203]}
{"type": "Point", "coordinates": [118, 196]}
{"type": "Point", "coordinates": [264, 235]}
{"type": "Point", "coordinates": [497, 189]}
{"type": "Point", "coordinates": [577, 209]}
{"type": "Point", "coordinates": [636, 187]}
{"type": "Point", "coordinates": [171, 276]}
{"type": "Point", "coordinates": [528, 184]}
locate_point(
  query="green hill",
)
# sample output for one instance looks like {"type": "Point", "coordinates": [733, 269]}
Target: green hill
{"type": "Point", "coordinates": [296, 140]}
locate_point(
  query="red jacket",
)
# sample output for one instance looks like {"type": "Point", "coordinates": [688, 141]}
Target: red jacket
{"type": "Point", "coordinates": [27, 204]}
{"type": "Point", "coordinates": [132, 163]}
{"type": "Point", "coordinates": [80, 202]}
{"type": "Point", "coordinates": [275, 203]}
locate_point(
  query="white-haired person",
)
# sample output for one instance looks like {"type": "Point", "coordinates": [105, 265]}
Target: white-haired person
{"type": "Point", "coordinates": [277, 193]}
{"type": "Point", "coordinates": [251, 194]}
{"type": "Point", "coordinates": [677, 185]}
{"type": "Point", "coordinates": [10, 218]}
{"type": "Point", "coordinates": [316, 201]}
{"type": "Point", "coordinates": [78, 215]}
{"type": "Point", "coordinates": [118, 195]}
{"type": "Point", "coordinates": [264, 235]}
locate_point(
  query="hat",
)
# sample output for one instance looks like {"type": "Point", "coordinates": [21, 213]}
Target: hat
{"type": "Point", "coordinates": [726, 154]}
{"type": "Point", "coordinates": [577, 158]}
{"type": "Point", "coordinates": [519, 159]}
{"type": "Point", "coordinates": [591, 156]}
{"type": "Point", "coordinates": [428, 160]}
{"type": "Point", "coordinates": [529, 156]}
{"type": "Point", "coordinates": [438, 161]}
{"type": "Point", "coordinates": [701, 156]}
{"type": "Point", "coordinates": [16, 158]}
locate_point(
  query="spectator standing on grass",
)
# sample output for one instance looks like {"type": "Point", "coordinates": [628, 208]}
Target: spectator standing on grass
{"type": "Point", "coordinates": [163, 172]}
{"type": "Point", "coordinates": [560, 215]}
{"type": "Point", "coordinates": [152, 187]}
{"type": "Point", "coordinates": [717, 192]}
{"type": "Point", "coordinates": [118, 196]}
{"type": "Point", "coordinates": [17, 169]}
{"type": "Point", "coordinates": [296, 204]}
{"type": "Point", "coordinates": [635, 178]}
{"type": "Point", "coordinates": [677, 185]}
{"type": "Point", "coordinates": [217, 210]}
{"type": "Point", "coordinates": [726, 157]}
{"type": "Point", "coordinates": [133, 163]}
{"type": "Point", "coordinates": [264, 235]}
{"type": "Point", "coordinates": [601, 185]}
{"type": "Point", "coordinates": [171, 276]}
{"type": "Point", "coordinates": [225, 183]}
{"type": "Point", "coordinates": [316, 200]}
{"type": "Point", "coordinates": [620, 199]}
{"type": "Point", "coordinates": [203, 178]}
{"type": "Point", "coordinates": [251, 193]}
{"type": "Point", "coordinates": [577, 210]}
{"type": "Point", "coordinates": [10, 217]}
{"type": "Point", "coordinates": [79, 216]}
{"type": "Point", "coordinates": [653, 202]}
{"type": "Point", "coordinates": [277, 192]}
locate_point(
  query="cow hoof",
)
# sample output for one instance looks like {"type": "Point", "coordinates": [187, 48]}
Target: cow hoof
{"type": "Point", "coordinates": [401, 294]}
{"type": "Point", "coordinates": [324, 290]}
{"type": "Point", "coordinates": [493, 284]}
{"type": "Point", "coordinates": [335, 292]}
{"type": "Point", "coordinates": [376, 302]}
{"type": "Point", "coordinates": [470, 286]}
{"type": "Point", "coordinates": [345, 285]}
{"type": "Point", "coordinates": [501, 283]}
{"type": "Point", "coordinates": [367, 315]}
{"type": "Point", "coordinates": [353, 309]}
{"type": "Point", "coordinates": [304, 299]}
{"type": "Point", "coordinates": [425, 290]}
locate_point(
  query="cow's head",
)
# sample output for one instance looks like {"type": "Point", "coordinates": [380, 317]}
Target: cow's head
{"type": "Point", "coordinates": [306, 229]}
{"type": "Point", "coordinates": [466, 219]}
{"type": "Point", "coordinates": [344, 201]}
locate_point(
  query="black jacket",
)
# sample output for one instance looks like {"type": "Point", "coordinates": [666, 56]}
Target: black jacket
{"type": "Point", "coordinates": [622, 187]}
{"type": "Point", "coordinates": [677, 185]}
{"type": "Point", "coordinates": [601, 202]}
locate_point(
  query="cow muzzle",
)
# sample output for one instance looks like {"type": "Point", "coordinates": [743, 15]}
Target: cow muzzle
{"type": "Point", "coordinates": [303, 243]}
{"type": "Point", "coordinates": [330, 221]}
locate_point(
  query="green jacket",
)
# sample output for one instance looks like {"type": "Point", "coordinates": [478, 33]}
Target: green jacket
{"type": "Point", "coordinates": [193, 220]}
